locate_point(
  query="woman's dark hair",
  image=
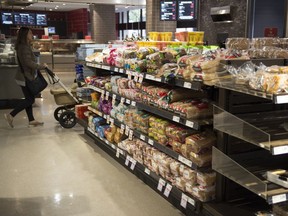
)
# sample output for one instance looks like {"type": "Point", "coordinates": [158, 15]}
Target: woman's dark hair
{"type": "Point", "coordinates": [22, 36]}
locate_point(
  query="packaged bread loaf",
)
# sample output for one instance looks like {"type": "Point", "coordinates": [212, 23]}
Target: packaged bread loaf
{"type": "Point", "coordinates": [206, 179]}
{"type": "Point", "coordinates": [201, 141]}
{"type": "Point", "coordinates": [201, 160]}
{"type": "Point", "coordinates": [204, 194]}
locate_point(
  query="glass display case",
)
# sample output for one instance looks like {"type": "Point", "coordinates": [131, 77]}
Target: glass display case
{"type": "Point", "coordinates": [59, 54]}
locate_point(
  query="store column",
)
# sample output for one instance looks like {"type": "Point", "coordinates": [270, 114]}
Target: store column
{"type": "Point", "coordinates": [153, 22]}
{"type": "Point", "coordinates": [103, 27]}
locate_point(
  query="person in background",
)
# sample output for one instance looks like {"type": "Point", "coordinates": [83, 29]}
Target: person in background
{"type": "Point", "coordinates": [29, 64]}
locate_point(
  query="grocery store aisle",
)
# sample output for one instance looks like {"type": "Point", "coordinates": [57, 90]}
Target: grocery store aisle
{"type": "Point", "coordinates": [51, 171]}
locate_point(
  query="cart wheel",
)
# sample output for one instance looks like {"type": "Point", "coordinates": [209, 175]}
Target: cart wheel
{"type": "Point", "coordinates": [58, 111]}
{"type": "Point", "coordinates": [67, 119]}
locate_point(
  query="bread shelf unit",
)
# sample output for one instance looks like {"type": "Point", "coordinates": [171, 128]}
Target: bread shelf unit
{"type": "Point", "coordinates": [185, 203]}
{"type": "Point", "coordinates": [266, 130]}
{"type": "Point", "coordinates": [231, 169]}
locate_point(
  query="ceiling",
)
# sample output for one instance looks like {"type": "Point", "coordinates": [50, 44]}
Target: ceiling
{"type": "Point", "coordinates": [68, 5]}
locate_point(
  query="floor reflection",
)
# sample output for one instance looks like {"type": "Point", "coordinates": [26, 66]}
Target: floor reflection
{"type": "Point", "coordinates": [57, 205]}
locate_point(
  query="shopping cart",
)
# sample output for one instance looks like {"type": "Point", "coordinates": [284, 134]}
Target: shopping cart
{"type": "Point", "coordinates": [66, 99]}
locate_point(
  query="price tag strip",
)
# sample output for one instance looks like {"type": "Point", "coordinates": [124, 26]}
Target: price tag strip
{"type": "Point", "coordinates": [185, 161]}
{"type": "Point", "coordinates": [176, 119]}
{"type": "Point", "coordinates": [167, 190]}
{"type": "Point", "coordinates": [280, 150]}
{"type": "Point", "coordinates": [133, 163]}
{"type": "Point", "coordinates": [127, 160]}
{"type": "Point", "coordinates": [161, 184]}
{"type": "Point", "coordinates": [279, 198]}
{"type": "Point", "coordinates": [184, 200]}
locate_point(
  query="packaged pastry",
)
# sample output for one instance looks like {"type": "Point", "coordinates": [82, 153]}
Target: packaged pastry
{"type": "Point", "coordinates": [189, 187]}
{"type": "Point", "coordinates": [178, 133]}
{"type": "Point", "coordinates": [175, 168]}
{"type": "Point", "coordinates": [204, 194]}
{"type": "Point", "coordinates": [186, 150]}
{"type": "Point", "coordinates": [206, 179]}
{"type": "Point", "coordinates": [189, 175]}
{"type": "Point", "coordinates": [176, 146]}
{"type": "Point", "coordinates": [201, 141]}
{"type": "Point", "coordinates": [201, 160]}
{"type": "Point", "coordinates": [180, 183]}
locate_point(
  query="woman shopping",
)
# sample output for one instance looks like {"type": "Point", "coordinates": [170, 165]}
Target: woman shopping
{"type": "Point", "coordinates": [27, 72]}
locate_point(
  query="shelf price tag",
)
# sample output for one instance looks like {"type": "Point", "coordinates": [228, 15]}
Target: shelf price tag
{"type": "Point", "coordinates": [129, 74]}
{"type": "Point", "coordinates": [150, 77]}
{"type": "Point", "coordinates": [113, 99]}
{"type": "Point", "coordinates": [280, 150]}
{"type": "Point", "coordinates": [131, 135]}
{"type": "Point", "coordinates": [189, 124]}
{"type": "Point", "coordinates": [147, 171]}
{"type": "Point", "coordinates": [184, 200]}
{"type": "Point", "coordinates": [167, 190]}
{"type": "Point", "coordinates": [122, 129]}
{"type": "Point", "coordinates": [128, 101]}
{"type": "Point", "coordinates": [105, 67]}
{"type": "Point", "coordinates": [122, 100]}
{"type": "Point", "coordinates": [108, 119]}
{"type": "Point", "coordinates": [279, 198]}
{"type": "Point", "coordinates": [127, 130]}
{"type": "Point", "coordinates": [120, 70]}
{"type": "Point", "coordinates": [161, 184]}
{"type": "Point", "coordinates": [111, 122]}
{"type": "Point", "coordinates": [142, 137]}
{"type": "Point", "coordinates": [185, 161]}
{"type": "Point", "coordinates": [127, 160]}
{"type": "Point", "coordinates": [191, 201]}
{"type": "Point", "coordinates": [136, 77]}
{"type": "Point", "coordinates": [133, 103]}
{"type": "Point", "coordinates": [118, 153]}
{"type": "Point", "coordinates": [140, 79]}
{"type": "Point", "coordinates": [280, 99]}
{"type": "Point", "coordinates": [133, 163]}
{"type": "Point", "coordinates": [176, 119]}
{"type": "Point", "coordinates": [107, 95]}
{"type": "Point", "coordinates": [150, 142]}
{"type": "Point", "coordinates": [187, 85]}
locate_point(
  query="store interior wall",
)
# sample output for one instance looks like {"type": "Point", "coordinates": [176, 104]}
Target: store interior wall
{"type": "Point", "coordinates": [211, 29]}
{"type": "Point", "coordinates": [267, 14]}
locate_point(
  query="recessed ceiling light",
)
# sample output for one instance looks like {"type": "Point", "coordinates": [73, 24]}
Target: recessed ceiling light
{"type": "Point", "coordinates": [64, 4]}
{"type": "Point", "coordinates": [50, 9]}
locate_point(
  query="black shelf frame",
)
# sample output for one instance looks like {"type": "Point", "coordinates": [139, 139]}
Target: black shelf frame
{"type": "Point", "coordinates": [192, 207]}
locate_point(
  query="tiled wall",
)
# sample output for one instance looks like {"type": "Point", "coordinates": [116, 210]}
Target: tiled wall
{"type": "Point", "coordinates": [103, 23]}
{"type": "Point", "coordinates": [235, 29]}
{"type": "Point", "coordinates": [153, 22]}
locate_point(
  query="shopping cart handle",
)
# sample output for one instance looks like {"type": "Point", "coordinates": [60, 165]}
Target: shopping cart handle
{"type": "Point", "coordinates": [51, 73]}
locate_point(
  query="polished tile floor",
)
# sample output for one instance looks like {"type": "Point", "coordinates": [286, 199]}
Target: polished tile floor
{"type": "Point", "coordinates": [51, 171]}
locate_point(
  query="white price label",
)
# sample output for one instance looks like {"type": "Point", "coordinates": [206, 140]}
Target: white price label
{"type": "Point", "coordinates": [280, 150]}
{"type": "Point", "coordinates": [118, 153]}
{"type": "Point", "coordinates": [129, 75]}
{"type": "Point", "coordinates": [127, 130]}
{"type": "Point", "coordinates": [120, 70]}
{"type": "Point", "coordinates": [142, 137]}
{"type": "Point", "coordinates": [102, 96]}
{"type": "Point", "coordinates": [167, 190]}
{"type": "Point", "coordinates": [191, 201]}
{"type": "Point", "coordinates": [157, 79]}
{"type": "Point", "coordinates": [107, 96]}
{"type": "Point", "coordinates": [133, 103]}
{"type": "Point", "coordinates": [122, 100]}
{"type": "Point", "coordinates": [106, 67]}
{"type": "Point", "coordinates": [131, 135]}
{"type": "Point", "coordinates": [185, 160]}
{"type": "Point", "coordinates": [140, 79]}
{"type": "Point", "coordinates": [161, 184]}
{"type": "Point", "coordinates": [189, 124]}
{"type": "Point", "coordinates": [176, 119]}
{"type": "Point", "coordinates": [133, 164]}
{"type": "Point", "coordinates": [111, 122]}
{"type": "Point", "coordinates": [136, 77]}
{"type": "Point", "coordinates": [114, 97]}
{"type": "Point", "coordinates": [184, 200]}
{"type": "Point", "coordinates": [280, 99]}
{"type": "Point", "coordinates": [127, 160]}
{"type": "Point", "coordinates": [107, 142]}
{"type": "Point", "coordinates": [113, 146]}
{"type": "Point", "coordinates": [104, 116]}
{"type": "Point", "coordinates": [128, 101]}
{"type": "Point", "coordinates": [187, 85]}
{"type": "Point", "coordinates": [147, 171]}
{"type": "Point", "coordinates": [108, 119]}
{"type": "Point", "coordinates": [279, 198]}
{"type": "Point", "coordinates": [122, 128]}
{"type": "Point", "coordinates": [151, 142]}
{"type": "Point", "coordinates": [150, 77]}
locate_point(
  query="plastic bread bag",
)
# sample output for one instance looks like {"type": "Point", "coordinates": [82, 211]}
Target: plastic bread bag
{"type": "Point", "coordinates": [201, 160]}
{"type": "Point", "coordinates": [238, 43]}
{"type": "Point", "coordinates": [206, 178]}
{"type": "Point", "coordinates": [277, 83]}
{"type": "Point", "coordinates": [200, 141]}
{"type": "Point", "coordinates": [174, 167]}
{"type": "Point", "coordinates": [144, 51]}
{"type": "Point", "coordinates": [176, 146]}
{"type": "Point", "coordinates": [203, 195]}
{"type": "Point", "coordinates": [190, 175]}
{"type": "Point", "coordinates": [181, 183]}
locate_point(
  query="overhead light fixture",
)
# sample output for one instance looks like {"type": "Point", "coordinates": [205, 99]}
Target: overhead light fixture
{"type": "Point", "coordinates": [63, 4]}
{"type": "Point", "coordinates": [50, 9]}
